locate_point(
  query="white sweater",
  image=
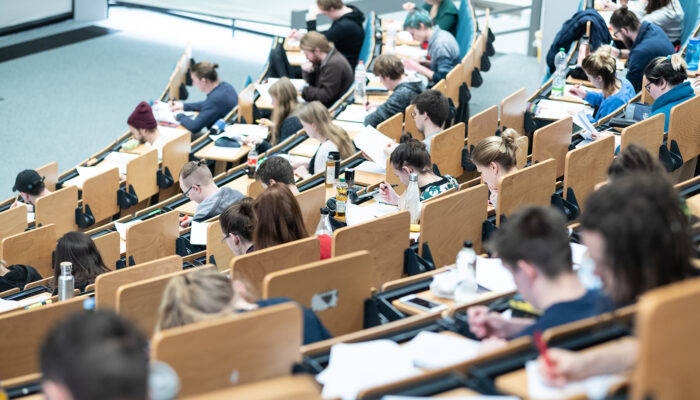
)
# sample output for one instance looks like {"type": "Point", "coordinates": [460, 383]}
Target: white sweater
{"type": "Point", "coordinates": [669, 18]}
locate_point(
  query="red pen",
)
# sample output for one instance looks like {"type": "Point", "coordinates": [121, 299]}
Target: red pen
{"type": "Point", "coordinates": [542, 348]}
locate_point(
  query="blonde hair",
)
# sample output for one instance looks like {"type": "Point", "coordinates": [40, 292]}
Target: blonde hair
{"type": "Point", "coordinates": [602, 63]}
{"type": "Point", "coordinates": [286, 95]}
{"type": "Point", "coordinates": [499, 149]}
{"type": "Point", "coordinates": [196, 172]}
{"type": "Point", "coordinates": [194, 297]}
{"type": "Point", "coordinates": [314, 40]}
{"type": "Point", "coordinates": [317, 113]}
{"type": "Point", "coordinates": [206, 70]}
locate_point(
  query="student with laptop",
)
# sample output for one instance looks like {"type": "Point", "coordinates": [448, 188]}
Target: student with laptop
{"type": "Point", "coordinates": [31, 187]}
{"type": "Point", "coordinates": [666, 83]}
{"type": "Point", "coordinates": [197, 184]}
{"type": "Point", "coordinates": [327, 72]}
{"type": "Point", "coordinates": [276, 170]}
{"type": "Point", "coordinates": [389, 69]}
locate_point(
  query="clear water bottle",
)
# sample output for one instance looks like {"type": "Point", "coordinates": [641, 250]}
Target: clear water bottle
{"type": "Point", "coordinates": [466, 274]}
{"type": "Point", "coordinates": [66, 282]}
{"type": "Point", "coordinates": [413, 198]}
{"type": "Point", "coordinates": [692, 53]}
{"type": "Point", "coordinates": [324, 225]}
{"type": "Point", "coordinates": [559, 78]}
{"type": "Point", "coordinates": [360, 82]}
{"type": "Point", "coordinates": [252, 162]}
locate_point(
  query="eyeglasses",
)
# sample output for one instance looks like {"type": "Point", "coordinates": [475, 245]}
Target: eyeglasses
{"type": "Point", "coordinates": [616, 34]}
{"type": "Point", "coordinates": [187, 193]}
{"type": "Point", "coordinates": [413, 113]}
{"type": "Point", "coordinates": [647, 87]}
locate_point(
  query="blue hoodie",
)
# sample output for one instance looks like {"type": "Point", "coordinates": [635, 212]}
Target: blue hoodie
{"type": "Point", "coordinates": [606, 105]}
{"type": "Point", "coordinates": [651, 42]}
{"type": "Point", "coordinates": [668, 100]}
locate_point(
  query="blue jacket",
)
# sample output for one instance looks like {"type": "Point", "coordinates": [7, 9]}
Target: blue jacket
{"type": "Point", "coordinates": [574, 28]}
{"type": "Point", "coordinates": [607, 105]}
{"type": "Point", "coordinates": [218, 104]}
{"type": "Point", "coordinates": [651, 42]}
{"type": "Point", "coordinates": [668, 100]}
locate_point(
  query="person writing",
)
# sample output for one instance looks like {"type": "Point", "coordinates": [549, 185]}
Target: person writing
{"type": "Point", "coordinates": [221, 99]}
{"type": "Point", "coordinates": [666, 83]}
{"type": "Point", "coordinates": [144, 128]}
{"type": "Point", "coordinates": [327, 72]}
{"type": "Point", "coordinates": [197, 184]}
{"type": "Point", "coordinates": [31, 187]}
{"type": "Point", "coordinates": [284, 122]}
{"type": "Point", "coordinates": [237, 225]}
{"type": "Point", "coordinates": [443, 49]}
{"type": "Point", "coordinates": [443, 13]}
{"type": "Point", "coordinates": [390, 71]}
{"type": "Point", "coordinates": [495, 157]}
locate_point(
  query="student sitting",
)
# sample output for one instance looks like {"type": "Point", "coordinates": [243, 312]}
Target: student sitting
{"type": "Point", "coordinates": [318, 124]}
{"type": "Point", "coordinates": [279, 218]}
{"type": "Point", "coordinates": [666, 14]}
{"type": "Point", "coordinates": [346, 31]}
{"type": "Point", "coordinates": [430, 113]}
{"type": "Point", "coordinates": [237, 225]}
{"type": "Point", "coordinates": [534, 245]}
{"type": "Point", "coordinates": [389, 69]}
{"type": "Point", "coordinates": [666, 84]}
{"type": "Point", "coordinates": [443, 13]}
{"type": "Point", "coordinates": [94, 355]}
{"type": "Point", "coordinates": [600, 69]}
{"type": "Point", "coordinates": [144, 128]}
{"type": "Point", "coordinates": [411, 156]}
{"type": "Point", "coordinates": [198, 185]}
{"type": "Point", "coordinates": [327, 72]}
{"type": "Point", "coordinates": [31, 187]}
{"type": "Point", "coordinates": [78, 249]}
{"type": "Point", "coordinates": [495, 157]}
{"type": "Point", "coordinates": [221, 98]}
{"type": "Point", "coordinates": [443, 49]}
{"type": "Point", "coordinates": [645, 41]}
{"type": "Point", "coordinates": [206, 294]}
{"type": "Point", "coordinates": [276, 170]}
{"type": "Point", "coordinates": [284, 122]}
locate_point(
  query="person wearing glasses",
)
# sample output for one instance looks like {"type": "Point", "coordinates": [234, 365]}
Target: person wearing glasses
{"type": "Point", "coordinates": [666, 83]}
{"type": "Point", "coordinates": [198, 185]}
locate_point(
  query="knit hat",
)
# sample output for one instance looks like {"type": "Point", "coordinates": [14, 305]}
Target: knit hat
{"type": "Point", "coordinates": [142, 117]}
{"type": "Point", "coordinates": [27, 180]}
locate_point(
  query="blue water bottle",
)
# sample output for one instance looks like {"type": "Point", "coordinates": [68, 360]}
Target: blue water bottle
{"type": "Point", "coordinates": [692, 53]}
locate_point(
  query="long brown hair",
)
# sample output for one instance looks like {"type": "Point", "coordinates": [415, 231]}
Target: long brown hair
{"type": "Point", "coordinates": [653, 5]}
{"type": "Point", "coordinates": [78, 249]}
{"type": "Point", "coordinates": [286, 95]}
{"type": "Point", "coordinates": [279, 218]}
{"type": "Point", "coordinates": [317, 113]}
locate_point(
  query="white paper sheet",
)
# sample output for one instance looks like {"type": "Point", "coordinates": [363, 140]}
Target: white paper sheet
{"type": "Point", "coordinates": [244, 131]}
{"type": "Point", "coordinates": [371, 167]}
{"type": "Point", "coordinates": [493, 275]}
{"type": "Point", "coordinates": [264, 88]}
{"type": "Point", "coordinates": [410, 51]}
{"type": "Point", "coordinates": [373, 143]}
{"type": "Point", "coordinates": [85, 173]}
{"type": "Point", "coordinates": [30, 217]}
{"type": "Point", "coordinates": [552, 109]}
{"type": "Point", "coordinates": [296, 59]}
{"type": "Point", "coordinates": [353, 113]}
{"type": "Point", "coordinates": [121, 159]}
{"type": "Point", "coordinates": [581, 119]}
{"type": "Point", "coordinates": [122, 227]}
{"type": "Point", "coordinates": [359, 214]}
{"type": "Point", "coordinates": [198, 233]}
{"type": "Point", "coordinates": [432, 350]}
{"type": "Point", "coordinates": [595, 387]}
{"type": "Point", "coordinates": [7, 305]}
{"type": "Point", "coordinates": [162, 113]}
{"type": "Point", "coordinates": [578, 252]}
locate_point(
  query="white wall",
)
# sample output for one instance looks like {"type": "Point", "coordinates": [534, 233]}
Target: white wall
{"type": "Point", "coordinates": [15, 12]}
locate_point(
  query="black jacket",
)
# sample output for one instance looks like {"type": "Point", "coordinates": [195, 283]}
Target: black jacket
{"type": "Point", "coordinates": [346, 33]}
{"type": "Point", "coordinates": [574, 28]}
{"type": "Point", "coordinates": [18, 276]}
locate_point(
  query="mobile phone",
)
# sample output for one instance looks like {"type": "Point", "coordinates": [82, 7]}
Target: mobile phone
{"type": "Point", "coordinates": [421, 303]}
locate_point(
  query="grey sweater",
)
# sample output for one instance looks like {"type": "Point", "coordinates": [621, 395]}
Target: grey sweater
{"type": "Point", "coordinates": [403, 95]}
{"type": "Point", "coordinates": [216, 203]}
{"type": "Point", "coordinates": [443, 50]}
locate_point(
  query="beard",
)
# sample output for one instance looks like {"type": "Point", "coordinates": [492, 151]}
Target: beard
{"type": "Point", "coordinates": [628, 42]}
{"type": "Point", "coordinates": [141, 140]}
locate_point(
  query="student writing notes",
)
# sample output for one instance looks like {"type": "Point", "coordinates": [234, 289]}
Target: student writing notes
{"type": "Point", "coordinates": [284, 122]}
{"type": "Point", "coordinates": [237, 225]}
{"type": "Point", "coordinates": [390, 71]}
{"type": "Point", "coordinates": [443, 13]}
{"type": "Point", "coordinates": [221, 98]}
{"type": "Point", "coordinates": [430, 114]}
{"type": "Point", "coordinates": [327, 72]}
{"type": "Point", "coordinates": [494, 158]}
{"type": "Point", "coordinates": [198, 185]}
{"type": "Point", "coordinates": [443, 48]}
{"type": "Point", "coordinates": [666, 84]}
{"type": "Point", "coordinates": [144, 128]}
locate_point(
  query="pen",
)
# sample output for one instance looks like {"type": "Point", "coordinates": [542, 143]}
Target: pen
{"type": "Point", "coordinates": [154, 212]}
{"type": "Point", "coordinates": [37, 305]}
{"type": "Point", "coordinates": [542, 347]}
{"type": "Point", "coordinates": [264, 122]}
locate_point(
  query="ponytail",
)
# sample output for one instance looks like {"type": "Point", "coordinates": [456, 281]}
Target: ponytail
{"type": "Point", "coordinates": [411, 152]}
{"type": "Point", "coordinates": [499, 149]}
{"type": "Point", "coordinates": [206, 70]}
{"type": "Point", "coordinates": [671, 69]}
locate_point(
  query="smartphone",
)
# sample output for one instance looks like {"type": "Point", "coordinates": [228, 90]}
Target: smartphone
{"type": "Point", "coordinates": [422, 303]}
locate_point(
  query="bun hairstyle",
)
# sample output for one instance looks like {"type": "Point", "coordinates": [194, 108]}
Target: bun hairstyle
{"type": "Point", "coordinates": [206, 70]}
{"type": "Point", "coordinates": [239, 219]}
{"type": "Point", "coordinates": [671, 69]}
{"type": "Point", "coordinates": [412, 153]}
{"type": "Point", "coordinates": [624, 18]}
{"type": "Point", "coordinates": [602, 63]}
{"type": "Point", "coordinates": [499, 149]}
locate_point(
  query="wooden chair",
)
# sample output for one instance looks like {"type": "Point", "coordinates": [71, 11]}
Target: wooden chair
{"type": "Point", "coordinates": [522, 143]}
{"type": "Point", "coordinates": [243, 348]}
{"type": "Point", "coordinates": [392, 127]}
{"type": "Point", "coordinates": [176, 153]}
{"type": "Point", "coordinates": [586, 167]}
{"type": "Point", "coordinates": [50, 174]}
{"type": "Point", "coordinates": [153, 238]}
{"type": "Point", "coordinates": [46, 282]}
{"type": "Point", "coordinates": [513, 111]}
{"type": "Point", "coordinates": [552, 141]}
{"type": "Point", "coordinates": [139, 301]}
{"type": "Point", "coordinates": [310, 202]}
{"type": "Point", "coordinates": [13, 221]}
{"type": "Point", "coordinates": [646, 96]}
{"type": "Point", "coordinates": [141, 174]}
{"type": "Point", "coordinates": [684, 128]}
{"type": "Point", "coordinates": [32, 247]}
{"type": "Point", "coordinates": [468, 67]}
{"type": "Point", "coordinates": [245, 104]}
{"type": "Point", "coordinates": [8, 292]}
{"type": "Point", "coordinates": [179, 76]}
{"type": "Point", "coordinates": [478, 45]}
{"type": "Point", "coordinates": [58, 208]}
{"type": "Point", "coordinates": [254, 189]}
{"type": "Point", "coordinates": [108, 246]}
{"type": "Point", "coordinates": [481, 126]}
{"type": "Point", "coordinates": [693, 204]}
{"type": "Point", "coordinates": [24, 332]}
{"type": "Point", "coordinates": [252, 268]}
{"type": "Point", "coordinates": [668, 354]}
{"type": "Point", "coordinates": [446, 150]}
{"type": "Point", "coordinates": [533, 185]}
{"type": "Point", "coordinates": [107, 284]}
{"type": "Point", "coordinates": [410, 123]}
{"type": "Point", "coordinates": [441, 86]}
{"type": "Point", "coordinates": [448, 221]}
{"type": "Point", "coordinates": [217, 248]}
{"type": "Point", "coordinates": [335, 289]}
{"type": "Point", "coordinates": [648, 133]}
{"type": "Point", "coordinates": [385, 238]}
{"type": "Point", "coordinates": [453, 81]}
{"type": "Point", "coordinates": [391, 178]}
{"type": "Point", "coordinates": [100, 193]}
{"type": "Point", "coordinates": [297, 386]}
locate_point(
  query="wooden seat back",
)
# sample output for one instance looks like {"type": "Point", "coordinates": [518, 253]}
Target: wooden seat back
{"type": "Point", "coordinates": [141, 174]}
{"type": "Point", "coordinates": [522, 143]}
{"type": "Point", "coordinates": [13, 221]}
{"type": "Point", "coordinates": [252, 268]}
{"type": "Point", "coordinates": [410, 123]}
{"type": "Point", "coordinates": [648, 133]}
{"type": "Point", "coordinates": [153, 238]}
{"type": "Point", "coordinates": [107, 284]}
{"type": "Point", "coordinates": [391, 178]}
{"type": "Point", "coordinates": [481, 126]}
{"type": "Point", "coordinates": [176, 153]}
{"type": "Point", "coordinates": [239, 349]}
{"type": "Point", "coordinates": [58, 208]}
{"type": "Point", "coordinates": [513, 111]}
{"type": "Point", "coordinates": [254, 189]}
{"type": "Point", "coordinates": [100, 193]}
{"type": "Point", "coordinates": [50, 174]}
{"type": "Point", "coordinates": [552, 141]}
{"type": "Point", "coordinates": [533, 185]}
{"type": "Point", "coordinates": [385, 238]}
{"type": "Point", "coordinates": [441, 86]}
{"type": "Point", "coordinates": [684, 128]}
{"type": "Point", "coordinates": [453, 81]}
{"type": "Point", "coordinates": [108, 246]}
{"type": "Point", "coordinates": [586, 167]}
{"type": "Point", "coordinates": [335, 289]}
{"type": "Point", "coordinates": [310, 202]}
{"type": "Point", "coordinates": [216, 248]}
{"type": "Point", "coordinates": [245, 104]}
{"type": "Point", "coordinates": [32, 247]}
{"type": "Point", "coordinates": [392, 127]}
{"type": "Point", "coordinates": [446, 150]}
{"type": "Point", "coordinates": [447, 222]}
{"type": "Point", "coordinates": [467, 67]}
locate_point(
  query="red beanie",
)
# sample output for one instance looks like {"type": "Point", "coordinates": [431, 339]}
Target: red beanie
{"type": "Point", "coordinates": [142, 117]}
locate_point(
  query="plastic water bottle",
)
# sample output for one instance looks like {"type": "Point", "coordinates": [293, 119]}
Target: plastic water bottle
{"type": "Point", "coordinates": [466, 274]}
{"type": "Point", "coordinates": [252, 162]}
{"type": "Point", "coordinates": [218, 127]}
{"type": "Point", "coordinates": [413, 198]}
{"type": "Point", "coordinates": [692, 53]}
{"type": "Point", "coordinates": [559, 78]}
{"type": "Point", "coordinates": [360, 82]}
{"type": "Point", "coordinates": [341, 199]}
{"type": "Point", "coordinates": [66, 282]}
{"type": "Point", "coordinates": [324, 225]}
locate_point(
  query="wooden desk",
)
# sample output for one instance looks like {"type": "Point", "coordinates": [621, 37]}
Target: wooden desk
{"type": "Point", "coordinates": [364, 178]}
{"type": "Point", "coordinates": [188, 208]}
{"type": "Point", "coordinates": [301, 387]}
{"type": "Point", "coordinates": [427, 294]}
{"type": "Point", "coordinates": [222, 155]}
{"type": "Point", "coordinates": [307, 148]}
{"type": "Point", "coordinates": [459, 392]}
